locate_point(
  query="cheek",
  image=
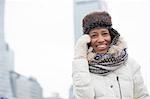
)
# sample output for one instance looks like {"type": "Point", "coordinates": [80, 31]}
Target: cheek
{"type": "Point", "coordinates": [108, 39]}
{"type": "Point", "coordinates": [92, 43]}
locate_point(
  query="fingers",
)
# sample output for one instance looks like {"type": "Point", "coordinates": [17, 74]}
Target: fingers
{"type": "Point", "coordinates": [84, 39]}
{"type": "Point", "coordinates": [81, 47]}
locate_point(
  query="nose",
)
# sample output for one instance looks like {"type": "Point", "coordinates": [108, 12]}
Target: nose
{"type": "Point", "coordinates": [100, 38]}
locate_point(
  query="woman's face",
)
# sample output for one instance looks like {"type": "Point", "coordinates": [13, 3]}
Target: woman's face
{"type": "Point", "coordinates": [100, 39]}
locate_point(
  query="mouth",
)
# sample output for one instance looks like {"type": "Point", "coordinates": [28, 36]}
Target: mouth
{"type": "Point", "coordinates": [102, 47]}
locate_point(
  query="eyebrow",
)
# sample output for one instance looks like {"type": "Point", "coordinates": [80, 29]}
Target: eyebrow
{"type": "Point", "coordinates": [104, 31]}
{"type": "Point", "coordinates": [101, 31]}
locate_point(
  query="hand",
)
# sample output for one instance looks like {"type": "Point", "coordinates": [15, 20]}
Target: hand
{"type": "Point", "coordinates": [81, 46]}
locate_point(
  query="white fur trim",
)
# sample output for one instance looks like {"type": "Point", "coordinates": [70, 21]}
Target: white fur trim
{"type": "Point", "coordinates": [115, 49]}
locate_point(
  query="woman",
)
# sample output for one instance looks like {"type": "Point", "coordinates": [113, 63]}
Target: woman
{"type": "Point", "coordinates": [101, 66]}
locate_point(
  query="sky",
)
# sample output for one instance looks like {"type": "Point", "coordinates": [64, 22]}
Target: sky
{"type": "Point", "coordinates": [40, 32]}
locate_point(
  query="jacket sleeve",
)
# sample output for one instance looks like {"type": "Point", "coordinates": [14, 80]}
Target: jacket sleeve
{"type": "Point", "coordinates": [82, 88]}
{"type": "Point", "coordinates": [140, 91]}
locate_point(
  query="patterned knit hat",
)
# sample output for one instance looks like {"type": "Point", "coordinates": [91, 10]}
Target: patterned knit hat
{"type": "Point", "coordinates": [99, 19]}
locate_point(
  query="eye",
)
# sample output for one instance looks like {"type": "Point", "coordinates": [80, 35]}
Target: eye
{"type": "Point", "coordinates": [105, 33]}
{"type": "Point", "coordinates": [93, 35]}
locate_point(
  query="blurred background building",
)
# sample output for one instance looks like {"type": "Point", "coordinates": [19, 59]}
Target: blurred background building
{"type": "Point", "coordinates": [25, 88]}
{"type": "Point", "coordinates": [6, 55]}
{"type": "Point", "coordinates": [71, 92]}
{"type": "Point", "coordinates": [12, 84]}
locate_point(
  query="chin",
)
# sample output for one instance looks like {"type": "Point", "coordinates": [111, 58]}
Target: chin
{"type": "Point", "coordinates": [101, 51]}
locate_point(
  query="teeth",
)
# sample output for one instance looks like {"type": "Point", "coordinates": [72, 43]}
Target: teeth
{"type": "Point", "coordinates": [101, 46]}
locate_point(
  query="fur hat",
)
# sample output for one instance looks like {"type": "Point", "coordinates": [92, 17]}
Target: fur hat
{"type": "Point", "coordinates": [99, 19]}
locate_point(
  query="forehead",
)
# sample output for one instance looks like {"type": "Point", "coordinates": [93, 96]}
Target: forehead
{"type": "Point", "coordinates": [98, 29]}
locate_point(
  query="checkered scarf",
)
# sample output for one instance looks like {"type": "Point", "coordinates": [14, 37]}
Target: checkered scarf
{"type": "Point", "coordinates": [104, 64]}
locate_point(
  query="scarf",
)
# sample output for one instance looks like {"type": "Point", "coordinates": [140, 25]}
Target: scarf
{"type": "Point", "coordinates": [104, 64]}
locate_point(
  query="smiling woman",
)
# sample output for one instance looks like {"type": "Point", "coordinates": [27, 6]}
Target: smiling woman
{"type": "Point", "coordinates": [102, 68]}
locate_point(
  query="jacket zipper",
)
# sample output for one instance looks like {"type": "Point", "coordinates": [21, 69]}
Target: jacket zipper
{"type": "Point", "coordinates": [119, 87]}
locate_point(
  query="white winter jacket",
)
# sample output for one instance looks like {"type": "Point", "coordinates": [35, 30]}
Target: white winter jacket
{"type": "Point", "coordinates": [124, 83]}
